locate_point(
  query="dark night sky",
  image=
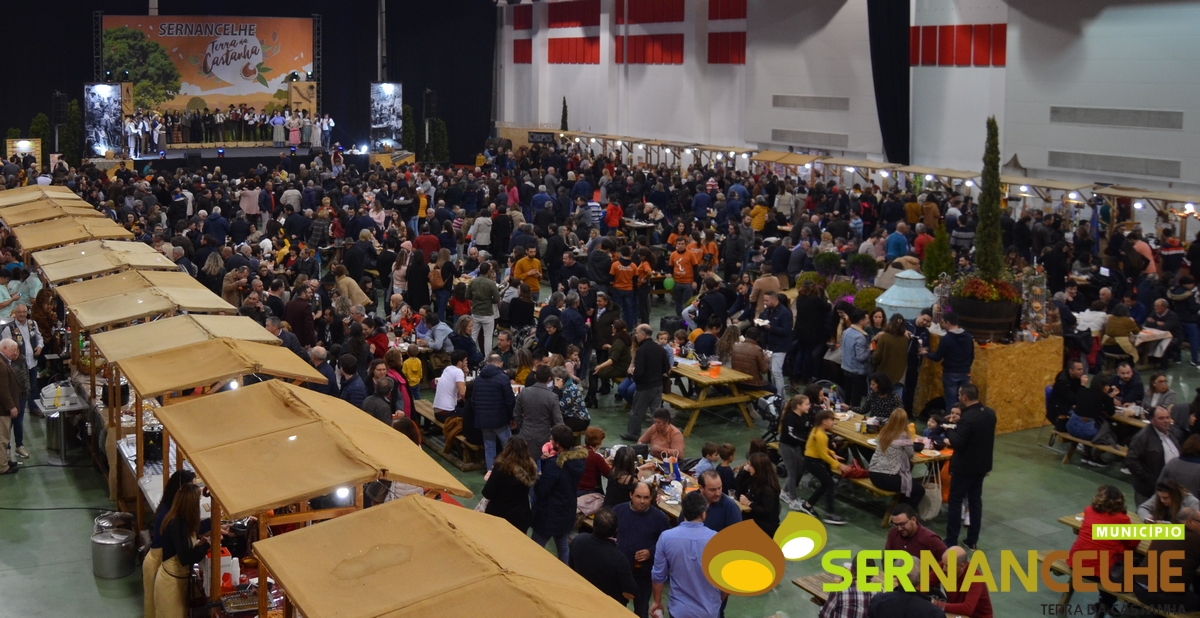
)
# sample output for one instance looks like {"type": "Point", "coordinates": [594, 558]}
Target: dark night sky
{"type": "Point", "coordinates": [446, 46]}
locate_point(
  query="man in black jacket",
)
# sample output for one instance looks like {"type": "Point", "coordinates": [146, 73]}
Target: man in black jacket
{"type": "Point", "coordinates": [712, 304]}
{"type": "Point", "coordinates": [494, 400]}
{"type": "Point", "coordinates": [596, 558]}
{"type": "Point", "coordinates": [650, 368]}
{"type": "Point", "coordinates": [1149, 451]}
{"type": "Point", "coordinates": [973, 441]}
{"type": "Point", "coordinates": [1062, 397]}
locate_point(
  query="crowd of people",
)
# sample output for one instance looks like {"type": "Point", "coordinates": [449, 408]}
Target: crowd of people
{"type": "Point", "coordinates": [539, 269]}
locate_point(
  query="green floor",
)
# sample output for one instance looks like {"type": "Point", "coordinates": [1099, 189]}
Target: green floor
{"type": "Point", "coordinates": [45, 522]}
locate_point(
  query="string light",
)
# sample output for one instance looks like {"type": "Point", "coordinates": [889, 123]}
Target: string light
{"type": "Point", "coordinates": [970, 183]}
{"type": "Point", "coordinates": [884, 173]}
{"type": "Point", "coordinates": [928, 176]}
{"type": "Point", "coordinates": [1138, 205]}
{"type": "Point", "coordinates": [1024, 188]}
{"type": "Point", "coordinates": [850, 169]}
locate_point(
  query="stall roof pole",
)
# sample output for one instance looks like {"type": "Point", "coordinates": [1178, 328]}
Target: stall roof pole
{"type": "Point", "coordinates": [214, 567]}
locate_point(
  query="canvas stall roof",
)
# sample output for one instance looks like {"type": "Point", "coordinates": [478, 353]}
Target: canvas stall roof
{"type": "Point", "coordinates": [173, 284]}
{"type": "Point", "coordinates": [863, 163]}
{"type": "Point", "coordinates": [105, 262]}
{"type": "Point", "coordinates": [46, 209]}
{"type": "Point", "coordinates": [1042, 183]}
{"type": "Point", "coordinates": [271, 444]}
{"type": "Point", "coordinates": [93, 309]}
{"type": "Point", "coordinates": [1134, 194]}
{"type": "Point", "coordinates": [33, 193]}
{"type": "Point", "coordinates": [465, 563]}
{"type": "Point", "coordinates": [212, 361]}
{"type": "Point", "coordinates": [90, 248]}
{"type": "Point", "coordinates": [68, 230]}
{"type": "Point", "coordinates": [177, 332]}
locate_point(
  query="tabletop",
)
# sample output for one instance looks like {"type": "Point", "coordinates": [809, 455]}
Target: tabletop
{"type": "Point", "coordinates": [693, 373]}
{"type": "Point", "coordinates": [846, 430]}
{"type": "Point", "coordinates": [813, 584]}
{"type": "Point", "coordinates": [1151, 334]}
{"type": "Point", "coordinates": [634, 223]}
{"type": "Point", "coordinates": [1132, 421]}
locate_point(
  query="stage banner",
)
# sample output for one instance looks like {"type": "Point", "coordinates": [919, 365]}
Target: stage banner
{"type": "Point", "coordinates": [102, 118]}
{"type": "Point", "coordinates": [303, 95]}
{"type": "Point", "coordinates": [387, 113]}
{"type": "Point", "coordinates": [127, 107]}
{"type": "Point", "coordinates": [178, 62]}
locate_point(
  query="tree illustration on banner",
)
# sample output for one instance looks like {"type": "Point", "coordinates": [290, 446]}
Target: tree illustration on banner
{"type": "Point", "coordinates": [155, 78]}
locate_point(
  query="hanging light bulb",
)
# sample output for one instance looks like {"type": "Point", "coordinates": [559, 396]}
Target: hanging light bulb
{"type": "Point", "coordinates": [884, 173]}
{"type": "Point", "coordinates": [928, 176]}
{"type": "Point", "coordinates": [1138, 205]}
{"type": "Point", "coordinates": [850, 169]}
{"type": "Point", "coordinates": [1073, 195]}
{"type": "Point", "coordinates": [1024, 188]}
{"type": "Point", "coordinates": [970, 183]}
{"type": "Point", "coordinates": [808, 166]}
{"type": "Point", "coordinates": [1190, 208]}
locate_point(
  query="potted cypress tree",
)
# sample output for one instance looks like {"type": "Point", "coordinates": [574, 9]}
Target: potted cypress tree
{"type": "Point", "coordinates": [986, 301]}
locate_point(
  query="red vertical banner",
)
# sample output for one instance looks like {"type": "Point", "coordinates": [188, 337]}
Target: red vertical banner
{"type": "Point", "coordinates": [981, 45]}
{"type": "Point", "coordinates": [929, 45]}
{"type": "Point", "coordinates": [914, 46]}
{"type": "Point", "coordinates": [620, 11]}
{"type": "Point", "coordinates": [945, 54]}
{"type": "Point", "coordinates": [999, 44]}
{"type": "Point", "coordinates": [523, 51]}
{"type": "Point", "coordinates": [523, 17]}
{"type": "Point", "coordinates": [619, 43]}
{"type": "Point", "coordinates": [962, 46]}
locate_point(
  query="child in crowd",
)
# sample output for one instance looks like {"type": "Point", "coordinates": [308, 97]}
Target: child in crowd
{"type": "Point", "coordinates": [823, 463]}
{"type": "Point", "coordinates": [708, 458]}
{"type": "Point", "coordinates": [413, 371]}
{"type": "Point", "coordinates": [741, 483]}
{"type": "Point", "coordinates": [725, 468]}
{"type": "Point", "coordinates": [683, 347]}
{"type": "Point", "coordinates": [572, 361]}
{"type": "Point", "coordinates": [664, 339]}
{"type": "Point", "coordinates": [935, 433]}
{"type": "Point", "coordinates": [795, 425]}
{"type": "Point", "coordinates": [459, 303]}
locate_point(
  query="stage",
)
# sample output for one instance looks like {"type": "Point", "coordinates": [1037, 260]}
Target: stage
{"type": "Point", "coordinates": [236, 161]}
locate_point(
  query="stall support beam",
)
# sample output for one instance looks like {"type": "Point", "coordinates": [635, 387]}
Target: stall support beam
{"type": "Point", "coordinates": [214, 566]}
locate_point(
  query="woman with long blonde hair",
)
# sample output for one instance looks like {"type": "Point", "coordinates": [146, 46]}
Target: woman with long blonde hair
{"type": "Point", "coordinates": [891, 467]}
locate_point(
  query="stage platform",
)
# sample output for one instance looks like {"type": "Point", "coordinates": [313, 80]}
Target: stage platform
{"type": "Point", "coordinates": [239, 160]}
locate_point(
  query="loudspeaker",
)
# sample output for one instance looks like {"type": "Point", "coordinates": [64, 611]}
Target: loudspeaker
{"type": "Point", "coordinates": [318, 150]}
{"type": "Point", "coordinates": [194, 161]}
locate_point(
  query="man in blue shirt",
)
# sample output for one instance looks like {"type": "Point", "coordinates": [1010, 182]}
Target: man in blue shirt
{"type": "Point", "coordinates": [897, 242]}
{"type": "Point", "coordinates": [678, 557]}
{"type": "Point", "coordinates": [722, 510]}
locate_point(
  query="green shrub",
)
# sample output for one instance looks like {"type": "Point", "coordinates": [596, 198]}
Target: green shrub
{"type": "Point", "coordinates": [840, 289]}
{"type": "Point", "coordinates": [865, 298]}
{"type": "Point", "coordinates": [862, 267]}
{"type": "Point", "coordinates": [828, 264]}
{"type": "Point", "coordinates": [810, 276]}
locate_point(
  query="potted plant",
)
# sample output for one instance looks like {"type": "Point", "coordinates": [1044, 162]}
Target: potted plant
{"type": "Point", "coordinates": [865, 298]}
{"type": "Point", "coordinates": [841, 290]}
{"type": "Point", "coordinates": [988, 305]}
{"type": "Point", "coordinates": [862, 267]}
{"type": "Point", "coordinates": [810, 277]}
{"type": "Point", "coordinates": [828, 264]}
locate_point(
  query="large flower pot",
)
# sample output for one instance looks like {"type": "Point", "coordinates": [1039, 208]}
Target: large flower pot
{"type": "Point", "coordinates": [986, 321]}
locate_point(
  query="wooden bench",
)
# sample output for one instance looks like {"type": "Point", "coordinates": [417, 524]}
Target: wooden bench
{"type": "Point", "coordinates": [472, 454]}
{"type": "Point", "coordinates": [1074, 443]}
{"type": "Point", "coordinates": [1060, 567]}
{"type": "Point", "coordinates": [866, 484]}
{"type": "Point", "coordinates": [679, 402]}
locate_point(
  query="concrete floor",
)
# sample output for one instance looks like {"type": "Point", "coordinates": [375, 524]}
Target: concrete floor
{"type": "Point", "coordinates": [46, 519]}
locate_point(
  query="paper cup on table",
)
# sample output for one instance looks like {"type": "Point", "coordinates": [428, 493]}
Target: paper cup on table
{"type": "Point", "coordinates": [714, 369]}
{"type": "Point", "coordinates": [858, 426]}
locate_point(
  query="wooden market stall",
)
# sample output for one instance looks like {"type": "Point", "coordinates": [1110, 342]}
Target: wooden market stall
{"type": "Point", "coordinates": [455, 562]}
{"type": "Point", "coordinates": [105, 263]}
{"type": "Point", "coordinates": [862, 168]}
{"type": "Point", "coordinates": [186, 371]}
{"type": "Point", "coordinates": [945, 177]}
{"type": "Point", "coordinates": [32, 193]}
{"type": "Point", "coordinates": [271, 445]}
{"type": "Point", "coordinates": [1165, 203]}
{"type": "Point", "coordinates": [1024, 188]}
{"type": "Point", "coordinates": [46, 209]}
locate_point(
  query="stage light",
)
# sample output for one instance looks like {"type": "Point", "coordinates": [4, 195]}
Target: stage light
{"type": "Point", "coordinates": [850, 169]}
{"type": "Point", "coordinates": [1138, 205]}
{"type": "Point", "coordinates": [126, 75]}
{"type": "Point", "coordinates": [928, 176]}
{"type": "Point", "coordinates": [1073, 195]}
{"type": "Point", "coordinates": [1024, 188]}
{"type": "Point", "coordinates": [108, 76]}
{"type": "Point", "coordinates": [341, 148]}
{"type": "Point", "coordinates": [293, 151]}
{"type": "Point", "coordinates": [162, 154]}
{"type": "Point", "coordinates": [970, 183]}
{"type": "Point", "coordinates": [220, 153]}
{"type": "Point", "coordinates": [884, 173]}
{"type": "Point", "coordinates": [308, 76]}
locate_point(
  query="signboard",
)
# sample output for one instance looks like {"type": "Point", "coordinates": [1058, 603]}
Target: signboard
{"type": "Point", "coordinates": [22, 146]}
{"type": "Point", "coordinates": [536, 137]}
{"type": "Point", "coordinates": [387, 113]}
{"type": "Point", "coordinates": [178, 62]}
{"type": "Point", "coordinates": [102, 118]}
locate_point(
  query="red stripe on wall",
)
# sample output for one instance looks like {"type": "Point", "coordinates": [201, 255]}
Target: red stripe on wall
{"type": "Point", "coordinates": [650, 11]}
{"type": "Point", "coordinates": [981, 41]}
{"type": "Point", "coordinates": [577, 14]}
{"type": "Point", "coordinates": [727, 48]}
{"type": "Point", "coordinates": [523, 17]}
{"type": "Point", "coordinates": [523, 51]}
{"type": "Point", "coordinates": [999, 44]}
{"type": "Point", "coordinates": [576, 50]}
{"type": "Point", "coordinates": [726, 9]}
{"type": "Point", "coordinates": [929, 45]}
{"type": "Point", "coordinates": [945, 53]}
{"type": "Point", "coordinates": [962, 46]}
{"type": "Point", "coordinates": [914, 46]}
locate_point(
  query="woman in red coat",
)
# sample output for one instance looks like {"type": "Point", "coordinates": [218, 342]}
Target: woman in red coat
{"type": "Point", "coordinates": [1108, 507]}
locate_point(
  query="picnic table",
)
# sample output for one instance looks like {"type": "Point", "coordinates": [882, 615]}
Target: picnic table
{"type": "Point", "coordinates": [814, 586]}
{"type": "Point", "coordinates": [727, 378]}
{"type": "Point", "coordinates": [639, 225]}
{"type": "Point", "coordinates": [1160, 338]}
{"type": "Point", "coordinates": [846, 430]}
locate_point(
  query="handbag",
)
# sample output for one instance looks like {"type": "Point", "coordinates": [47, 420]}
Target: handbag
{"type": "Point", "coordinates": [834, 356]}
{"type": "Point", "coordinates": [589, 503]}
{"type": "Point", "coordinates": [854, 471]}
{"type": "Point", "coordinates": [1082, 428]}
{"type": "Point", "coordinates": [931, 503]}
